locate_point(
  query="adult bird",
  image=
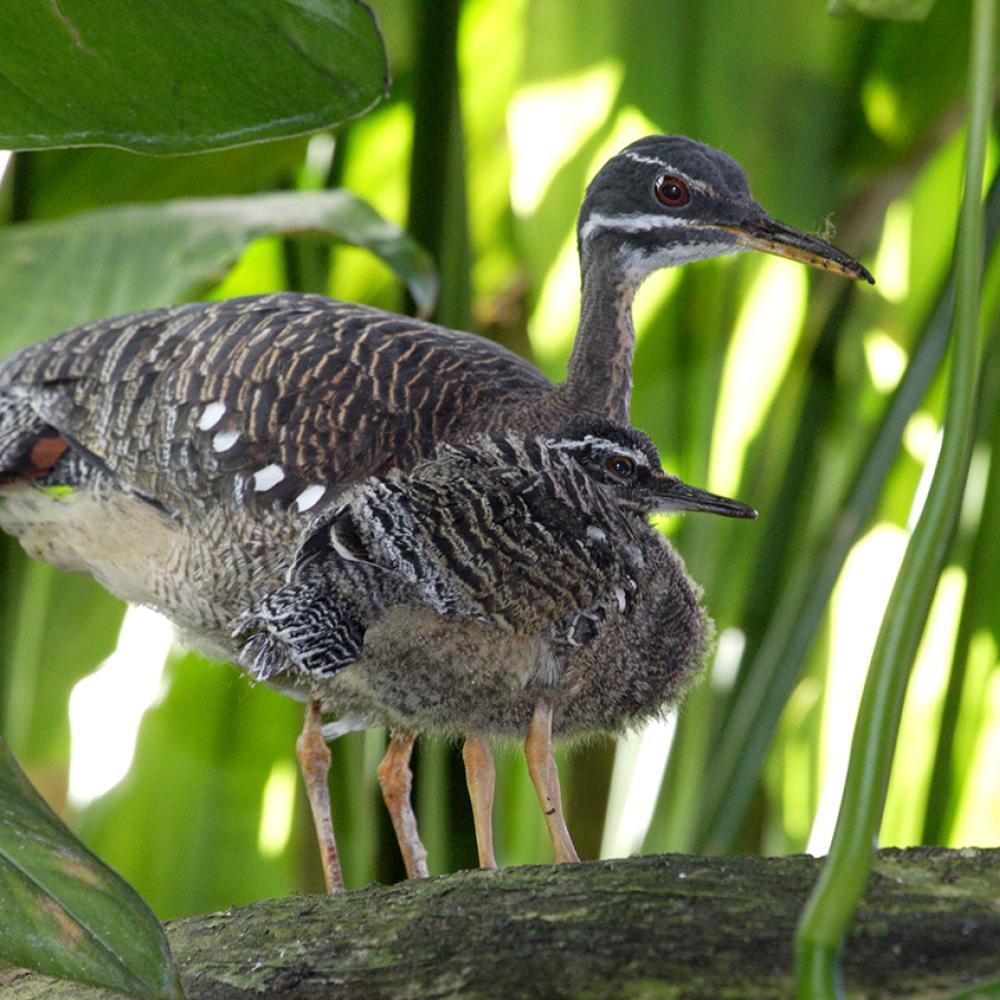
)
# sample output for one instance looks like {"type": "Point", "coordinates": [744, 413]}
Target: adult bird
{"type": "Point", "coordinates": [244, 418]}
{"type": "Point", "coordinates": [506, 587]}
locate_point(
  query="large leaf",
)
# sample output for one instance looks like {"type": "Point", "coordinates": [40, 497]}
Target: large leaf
{"type": "Point", "coordinates": [62, 911]}
{"type": "Point", "coordinates": [139, 256]}
{"type": "Point", "coordinates": [170, 76]}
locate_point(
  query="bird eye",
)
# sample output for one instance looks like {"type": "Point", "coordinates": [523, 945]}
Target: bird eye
{"type": "Point", "coordinates": [671, 191]}
{"type": "Point", "coordinates": [621, 466]}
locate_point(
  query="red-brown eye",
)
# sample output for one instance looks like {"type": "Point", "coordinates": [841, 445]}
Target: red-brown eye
{"type": "Point", "coordinates": [671, 191]}
{"type": "Point", "coordinates": [621, 466]}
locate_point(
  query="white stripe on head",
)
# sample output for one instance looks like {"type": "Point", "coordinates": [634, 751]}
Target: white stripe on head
{"type": "Point", "coordinates": [618, 447]}
{"type": "Point", "coordinates": [639, 158]}
{"type": "Point", "coordinates": [577, 442]}
{"type": "Point", "coordinates": [695, 183]}
{"type": "Point", "coordinates": [633, 222]}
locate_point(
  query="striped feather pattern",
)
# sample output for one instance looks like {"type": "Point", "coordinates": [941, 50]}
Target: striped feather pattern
{"type": "Point", "coordinates": [326, 391]}
{"type": "Point", "coordinates": [500, 566]}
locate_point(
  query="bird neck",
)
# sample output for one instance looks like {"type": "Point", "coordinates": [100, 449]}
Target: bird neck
{"type": "Point", "coordinates": [599, 374]}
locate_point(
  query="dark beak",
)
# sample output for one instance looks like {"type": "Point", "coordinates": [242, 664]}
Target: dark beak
{"type": "Point", "coordinates": [766, 234]}
{"type": "Point", "coordinates": [675, 496]}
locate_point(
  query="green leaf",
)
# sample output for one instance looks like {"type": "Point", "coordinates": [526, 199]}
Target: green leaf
{"type": "Point", "coordinates": [172, 76]}
{"type": "Point", "coordinates": [140, 256]}
{"type": "Point", "coordinates": [64, 912]}
{"type": "Point", "coordinates": [892, 10]}
{"type": "Point", "coordinates": [66, 181]}
{"type": "Point", "coordinates": [832, 904]}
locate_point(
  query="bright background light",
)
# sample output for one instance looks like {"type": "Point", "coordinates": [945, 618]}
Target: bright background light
{"type": "Point", "coordinates": [105, 709]}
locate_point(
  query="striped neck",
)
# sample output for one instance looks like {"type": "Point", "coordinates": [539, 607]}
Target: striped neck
{"type": "Point", "coordinates": [599, 374]}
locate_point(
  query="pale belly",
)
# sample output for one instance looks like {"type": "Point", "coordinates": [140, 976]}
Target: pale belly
{"type": "Point", "coordinates": [200, 579]}
{"type": "Point", "coordinates": [420, 670]}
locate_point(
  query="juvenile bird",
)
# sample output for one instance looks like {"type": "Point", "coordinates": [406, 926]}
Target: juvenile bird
{"type": "Point", "coordinates": [510, 586]}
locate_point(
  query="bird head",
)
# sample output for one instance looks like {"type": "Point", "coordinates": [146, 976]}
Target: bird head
{"type": "Point", "coordinates": [667, 200]}
{"type": "Point", "coordinates": [625, 462]}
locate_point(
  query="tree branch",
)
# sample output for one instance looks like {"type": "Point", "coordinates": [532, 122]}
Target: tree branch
{"type": "Point", "coordinates": [673, 925]}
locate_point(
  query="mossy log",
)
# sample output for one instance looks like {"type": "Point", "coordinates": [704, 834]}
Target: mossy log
{"type": "Point", "coordinates": [672, 926]}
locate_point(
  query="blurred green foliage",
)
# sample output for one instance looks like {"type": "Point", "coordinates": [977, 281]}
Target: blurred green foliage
{"type": "Point", "coordinates": [752, 375]}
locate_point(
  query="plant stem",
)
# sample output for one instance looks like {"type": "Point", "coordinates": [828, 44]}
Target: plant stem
{"type": "Point", "coordinates": [832, 904]}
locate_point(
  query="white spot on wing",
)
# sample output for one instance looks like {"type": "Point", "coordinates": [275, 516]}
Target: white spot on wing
{"type": "Point", "coordinates": [224, 440]}
{"type": "Point", "coordinates": [598, 534]}
{"type": "Point", "coordinates": [635, 554]}
{"type": "Point", "coordinates": [268, 477]}
{"type": "Point", "coordinates": [620, 594]}
{"type": "Point", "coordinates": [211, 415]}
{"type": "Point", "coordinates": [309, 497]}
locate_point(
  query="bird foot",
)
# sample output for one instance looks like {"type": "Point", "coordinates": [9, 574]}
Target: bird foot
{"type": "Point", "coordinates": [396, 779]}
{"type": "Point", "coordinates": [540, 756]}
{"type": "Point", "coordinates": [480, 775]}
{"type": "Point", "coordinates": [314, 759]}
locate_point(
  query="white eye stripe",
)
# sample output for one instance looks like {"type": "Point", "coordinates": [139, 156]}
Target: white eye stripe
{"type": "Point", "coordinates": [652, 161]}
{"type": "Point", "coordinates": [591, 439]}
{"type": "Point", "coordinates": [672, 171]}
{"type": "Point", "coordinates": [604, 448]}
{"type": "Point", "coordinates": [633, 222]}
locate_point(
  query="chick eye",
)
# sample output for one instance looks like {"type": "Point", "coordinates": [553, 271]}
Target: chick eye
{"type": "Point", "coordinates": [621, 466]}
{"type": "Point", "coordinates": [671, 191]}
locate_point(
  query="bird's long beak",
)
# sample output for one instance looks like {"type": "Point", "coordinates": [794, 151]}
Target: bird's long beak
{"type": "Point", "coordinates": [770, 236]}
{"type": "Point", "coordinates": [675, 496]}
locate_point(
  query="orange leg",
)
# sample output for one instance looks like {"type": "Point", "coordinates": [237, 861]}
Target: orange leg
{"type": "Point", "coordinates": [542, 768]}
{"type": "Point", "coordinates": [396, 779]}
{"type": "Point", "coordinates": [314, 759]}
{"type": "Point", "coordinates": [481, 776]}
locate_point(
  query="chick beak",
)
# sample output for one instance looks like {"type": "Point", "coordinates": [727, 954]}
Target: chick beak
{"type": "Point", "coordinates": [672, 495]}
{"type": "Point", "coordinates": [770, 236]}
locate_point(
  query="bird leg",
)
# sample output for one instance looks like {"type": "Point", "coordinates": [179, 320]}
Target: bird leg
{"type": "Point", "coordinates": [541, 760]}
{"type": "Point", "coordinates": [481, 777]}
{"type": "Point", "coordinates": [314, 759]}
{"type": "Point", "coordinates": [396, 779]}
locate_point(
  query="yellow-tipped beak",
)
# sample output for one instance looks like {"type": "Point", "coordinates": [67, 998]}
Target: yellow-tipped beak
{"type": "Point", "coordinates": [769, 236]}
